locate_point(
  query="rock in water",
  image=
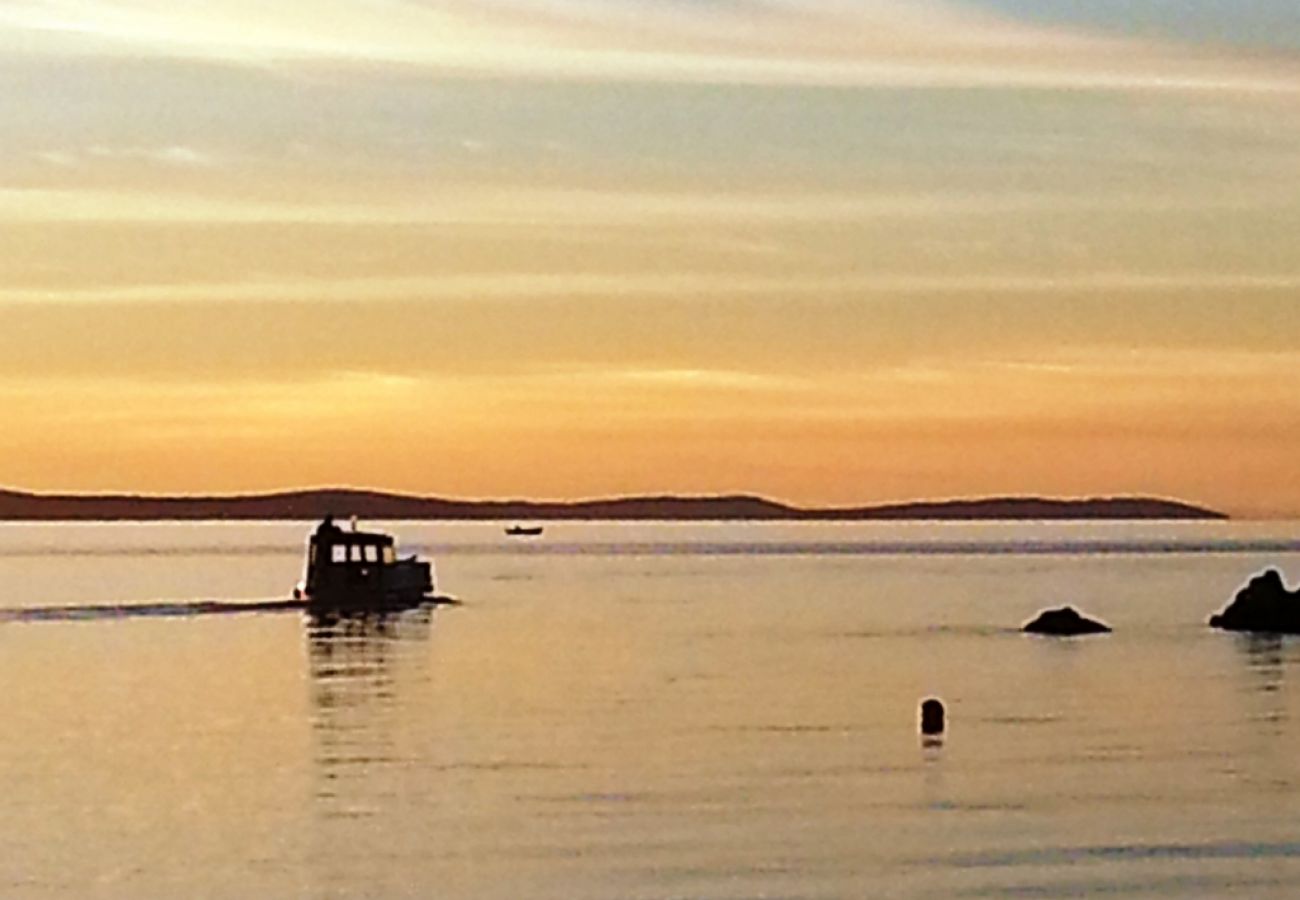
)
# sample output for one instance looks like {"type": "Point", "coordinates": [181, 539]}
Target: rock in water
{"type": "Point", "coordinates": [1262, 605]}
{"type": "Point", "coordinates": [1064, 621]}
{"type": "Point", "coordinates": [932, 716]}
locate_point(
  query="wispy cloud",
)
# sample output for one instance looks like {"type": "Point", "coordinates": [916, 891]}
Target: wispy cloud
{"type": "Point", "coordinates": [184, 403]}
{"type": "Point", "coordinates": [175, 156]}
{"type": "Point", "coordinates": [667, 378]}
{"type": "Point", "coordinates": [170, 155]}
{"type": "Point", "coordinates": [1149, 364]}
{"type": "Point", "coordinates": [525, 286]}
{"type": "Point", "coordinates": [917, 42]}
{"type": "Point", "coordinates": [515, 205]}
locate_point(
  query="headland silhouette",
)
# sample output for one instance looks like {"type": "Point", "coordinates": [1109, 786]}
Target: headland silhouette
{"type": "Point", "coordinates": [313, 504]}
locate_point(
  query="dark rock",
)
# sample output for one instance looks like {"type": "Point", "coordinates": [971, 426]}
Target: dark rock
{"type": "Point", "coordinates": [932, 716]}
{"type": "Point", "coordinates": [1262, 605]}
{"type": "Point", "coordinates": [1064, 621]}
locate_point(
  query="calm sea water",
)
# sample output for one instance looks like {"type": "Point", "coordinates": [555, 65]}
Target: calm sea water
{"type": "Point", "coordinates": [650, 711]}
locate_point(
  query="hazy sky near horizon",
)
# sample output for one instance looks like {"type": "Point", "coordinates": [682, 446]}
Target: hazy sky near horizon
{"type": "Point", "coordinates": [821, 250]}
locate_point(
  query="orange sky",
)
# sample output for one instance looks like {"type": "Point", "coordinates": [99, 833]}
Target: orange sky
{"type": "Point", "coordinates": [566, 254]}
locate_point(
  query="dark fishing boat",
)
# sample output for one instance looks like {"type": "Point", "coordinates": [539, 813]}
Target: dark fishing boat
{"type": "Point", "coordinates": [360, 570]}
{"type": "Point", "coordinates": [524, 530]}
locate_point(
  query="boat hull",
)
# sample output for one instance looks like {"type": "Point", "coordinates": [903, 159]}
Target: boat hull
{"type": "Point", "coordinates": [366, 601]}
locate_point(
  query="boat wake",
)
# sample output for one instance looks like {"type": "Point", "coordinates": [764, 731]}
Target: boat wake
{"type": "Point", "coordinates": [178, 609]}
{"type": "Point", "coordinates": [77, 613]}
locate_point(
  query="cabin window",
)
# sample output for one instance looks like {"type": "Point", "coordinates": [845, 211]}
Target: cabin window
{"type": "Point", "coordinates": [356, 553]}
{"type": "Point", "coordinates": [339, 553]}
{"type": "Point", "coordinates": [372, 553]}
{"type": "Point", "coordinates": [390, 557]}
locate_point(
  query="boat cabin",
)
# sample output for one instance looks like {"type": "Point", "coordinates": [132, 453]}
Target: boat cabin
{"type": "Point", "coordinates": [359, 568]}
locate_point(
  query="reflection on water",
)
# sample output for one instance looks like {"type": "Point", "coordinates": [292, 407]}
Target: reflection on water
{"type": "Point", "coordinates": [1264, 659]}
{"type": "Point", "coordinates": [1268, 657]}
{"type": "Point", "coordinates": [356, 662]}
{"type": "Point", "coordinates": [366, 670]}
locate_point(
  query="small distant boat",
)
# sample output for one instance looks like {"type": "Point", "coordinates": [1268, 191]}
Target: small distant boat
{"type": "Point", "coordinates": [360, 571]}
{"type": "Point", "coordinates": [524, 530]}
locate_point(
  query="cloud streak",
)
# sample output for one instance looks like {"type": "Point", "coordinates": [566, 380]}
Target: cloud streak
{"type": "Point", "coordinates": [510, 205]}
{"type": "Point", "coordinates": [887, 42]}
{"type": "Point", "coordinates": [472, 288]}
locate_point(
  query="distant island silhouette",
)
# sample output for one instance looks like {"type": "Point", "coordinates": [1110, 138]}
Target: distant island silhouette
{"type": "Point", "coordinates": [313, 504]}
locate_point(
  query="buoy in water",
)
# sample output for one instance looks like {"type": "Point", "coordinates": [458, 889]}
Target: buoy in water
{"type": "Point", "coordinates": [932, 717]}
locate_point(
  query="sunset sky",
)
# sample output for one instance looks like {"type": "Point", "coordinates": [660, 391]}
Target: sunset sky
{"type": "Point", "coordinates": [827, 251]}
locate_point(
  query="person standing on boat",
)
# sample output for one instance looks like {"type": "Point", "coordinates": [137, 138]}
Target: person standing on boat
{"type": "Point", "coordinates": [327, 528]}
